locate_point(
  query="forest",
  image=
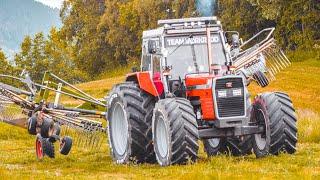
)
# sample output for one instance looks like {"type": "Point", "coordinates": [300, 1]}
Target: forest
{"type": "Point", "coordinates": [98, 36]}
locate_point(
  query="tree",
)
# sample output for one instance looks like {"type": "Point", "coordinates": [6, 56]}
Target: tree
{"type": "Point", "coordinates": [80, 18]}
{"type": "Point", "coordinates": [59, 55]}
{"type": "Point", "coordinates": [125, 21]}
{"type": "Point", "coordinates": [5, 68]}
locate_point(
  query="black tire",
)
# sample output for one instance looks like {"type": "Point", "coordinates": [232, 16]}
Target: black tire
{"type": "Point", "coordinates": [47, 127]}
{"type": "Point", "coordinates": [261, 79]}
{"type": "Point", "coordinates": [277, 111]}
{"type": "Point", "coordinates": [237, 146]}
{"type": "Point", "coordinates": [57, 129]}
{"type": "Point", "coordinates": [138, 107]}
{"type": "Point", "coordinates": [175, 132]}
{"type": "Point", "coordinates": [65, 145]}
{"type": "Point", "coordinates": [47, 147]}
{"type": "Point", "coordinates": [214, 146]}
{"type": "Point", "coordinates": [32, 125]}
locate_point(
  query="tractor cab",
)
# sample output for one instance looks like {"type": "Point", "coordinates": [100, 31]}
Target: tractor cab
{"type": "Point", "coordinates": [180, 49]}
{"type": "Point", "coordinates": [186, 57]}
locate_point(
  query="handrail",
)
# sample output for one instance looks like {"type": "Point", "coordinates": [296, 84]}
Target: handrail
{"type": "Point", "coordinates": [258, 34]}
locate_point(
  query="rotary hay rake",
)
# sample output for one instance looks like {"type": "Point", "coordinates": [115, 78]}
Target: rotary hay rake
{"type": "Point", "coordinates": [32, 109]}
{"type": "Point", "coordinates": [262, 61]}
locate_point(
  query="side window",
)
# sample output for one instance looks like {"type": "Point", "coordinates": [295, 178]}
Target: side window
{"type": "Point", "coordinates": [146, 58]}
{"type": "Point", "coordinates": [146, 64]}
{"type": "Point", "coordinates": [156, 63]}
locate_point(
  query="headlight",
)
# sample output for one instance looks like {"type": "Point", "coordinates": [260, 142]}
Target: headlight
{"type": "Point", "coordinates": [237, 92]}
{"type": "Point", "coordinates": [222, 94]}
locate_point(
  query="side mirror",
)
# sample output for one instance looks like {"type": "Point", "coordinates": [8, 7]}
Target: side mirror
{"type": "Point", "coordinates": [152, 46]}
{"type": "Point", "coordinates": [235, 40]}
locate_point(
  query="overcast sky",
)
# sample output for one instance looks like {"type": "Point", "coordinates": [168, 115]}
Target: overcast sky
{"type": "Point", "coordinates": [52, 3]}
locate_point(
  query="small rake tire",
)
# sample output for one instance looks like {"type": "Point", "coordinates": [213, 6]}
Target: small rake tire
{"type": "Point", "coordinates": [32, 125]}
{"type": "Point", "coordinates": [48, 148]}
{"type": "Point", "coordinates": [65, 145]}
{"type": "Point", "coordinates": [57, 129]}
{"type": "Point", "coordinates": [281, 124]}
{"type": "Point", "coordinates": [137, 107]}
{"type": "Point", "coordinates": [47, 128]}
{"type": "Point", "coordinates": [44, 147]}
{"type": "Point", "coordinates": [175, 132]}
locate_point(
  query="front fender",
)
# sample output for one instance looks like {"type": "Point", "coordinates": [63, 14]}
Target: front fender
{"type": "Point", "coordinates": [144, 80]}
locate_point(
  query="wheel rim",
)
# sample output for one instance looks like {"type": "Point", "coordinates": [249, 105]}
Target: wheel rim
{"type": "Point", "coordinates": [39, 150]}
{"type": "Point", "coordinates": [119, 129]}
{"type": "Point", "coordinates": [260, 139]}
{"type": "Point", "coordinates": [29, 124]}
{"type": "Point", "coordinates": [214, 142]}
{"type": "Point", "coordinates": [62, 144]}
{"type": "Point", "coordinates": [161, 137]}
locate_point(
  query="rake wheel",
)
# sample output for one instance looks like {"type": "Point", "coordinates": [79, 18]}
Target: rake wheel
{"type": "Point", "coordinates": [47, 128]}
{"type": "Point", "coordinates": [32, 125]}
{"type": "Point", "coordinates": [65, 145]}
{"type": "Point", "coordinates": [44, 147]}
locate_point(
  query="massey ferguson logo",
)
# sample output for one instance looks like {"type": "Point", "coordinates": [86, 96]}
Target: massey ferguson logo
{"type": "Point", "coordinates": [229, 84]}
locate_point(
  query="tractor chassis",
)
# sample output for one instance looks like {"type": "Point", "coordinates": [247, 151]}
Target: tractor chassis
{"type": "Point", "coordinates": [213, 132]}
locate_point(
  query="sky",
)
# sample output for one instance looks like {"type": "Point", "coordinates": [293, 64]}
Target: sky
{"type": "Point", "coordinates": [52, 3]}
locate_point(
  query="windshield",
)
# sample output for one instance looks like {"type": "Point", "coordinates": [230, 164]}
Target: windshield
{"type": "Point", "coordinates": [190, 55]}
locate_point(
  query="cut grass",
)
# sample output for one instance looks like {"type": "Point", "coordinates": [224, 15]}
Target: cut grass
{"type": "Point", "coordinates": [300, 81]}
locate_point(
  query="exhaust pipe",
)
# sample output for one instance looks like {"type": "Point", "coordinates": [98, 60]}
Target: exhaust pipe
{"type": "Point", "coordinates": [209, 49]}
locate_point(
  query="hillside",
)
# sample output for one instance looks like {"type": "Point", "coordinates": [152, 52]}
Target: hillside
{"type": "Point", "coordinates": [298, 80]}
{"type": "Point", "coordinates": [24, 17]}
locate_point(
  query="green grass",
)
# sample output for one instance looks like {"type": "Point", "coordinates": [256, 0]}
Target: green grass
{"type": "Point", "coordinates": [301, 81]}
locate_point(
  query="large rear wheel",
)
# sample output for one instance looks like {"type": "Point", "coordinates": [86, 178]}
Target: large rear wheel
{"type": "Point", "coordinates": [130, 117]}
{"type": "Point", "coordinates": [175, 132]}
{"type": "Point", "coordinates": [275, 112]}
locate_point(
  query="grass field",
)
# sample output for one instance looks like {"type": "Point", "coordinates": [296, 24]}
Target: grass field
{"type": "Point", "coordinates": [301, 81]}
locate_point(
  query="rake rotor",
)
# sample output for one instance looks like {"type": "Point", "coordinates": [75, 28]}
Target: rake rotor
{"type": "Point", "coordinates": [18, 105]}
{"type": "Point", "coordinates": [264, 57]}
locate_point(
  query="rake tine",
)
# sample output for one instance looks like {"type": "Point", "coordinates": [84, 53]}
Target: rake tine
{"type": "Point", "coordinates": [276, 54]}
{"type": "Point", "coordinates": [271, 65]}
{"type": "Point", "coordinates": [270, 71]}
{"type": "Point", "coordinates": [275, 60]}
{"type": "Point", "coordinates": [277, 69]}
{"type": "Point", "coordinates": [285, 56]}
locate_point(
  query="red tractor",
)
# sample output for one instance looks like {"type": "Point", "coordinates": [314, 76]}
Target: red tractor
{"type": "Point", "coordinates": [188, 90]}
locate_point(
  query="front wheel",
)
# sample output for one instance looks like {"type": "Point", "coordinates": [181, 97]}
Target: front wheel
{"type": "Point", "coordinates": [130, 117]}
{"type": "Point", "coordinates": [276, 114]}
{"type": "Point", "coordinates": [175, 132]}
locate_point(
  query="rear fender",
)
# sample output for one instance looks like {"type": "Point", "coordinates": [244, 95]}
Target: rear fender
{"type": "Point", "coordinates": [145, 82]}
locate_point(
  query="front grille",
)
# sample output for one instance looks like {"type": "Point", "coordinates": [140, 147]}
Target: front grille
{"type": "Point", "coordinates": [236, 83]}
{"type": "Point", "coordinates": [231, 105]}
